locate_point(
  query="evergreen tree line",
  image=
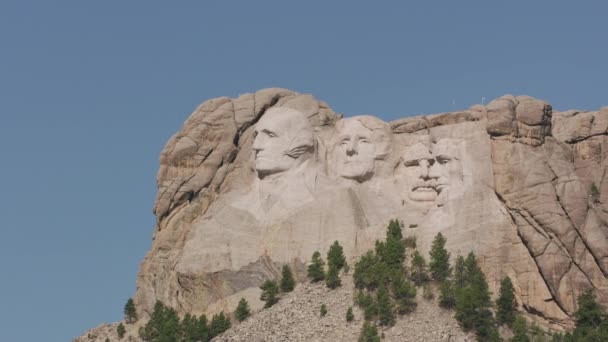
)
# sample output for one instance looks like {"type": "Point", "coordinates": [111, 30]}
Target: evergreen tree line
{"type": "Point", "coordinates": [271, 290]}
{"type": "Point", "coordinates": [383, 290]}
{"type": "Point", "coordinates": [591, 322]}
{"type": "Point", "coordinates": [336, 261]}
{"type": "Point", "coordinates": [165, 326]}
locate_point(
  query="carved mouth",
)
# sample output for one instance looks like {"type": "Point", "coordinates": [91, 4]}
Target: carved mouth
{"type": "Point", "coordinates": [424, 188]}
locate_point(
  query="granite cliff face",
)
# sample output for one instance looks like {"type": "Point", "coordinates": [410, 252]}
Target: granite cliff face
{"type": "Point", "coordinates": [266, 179]}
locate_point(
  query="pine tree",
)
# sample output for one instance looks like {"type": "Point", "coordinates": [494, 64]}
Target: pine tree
{"type": "Point", "coordinates": [520, 330]}
{"type": "Point", "coordinates": [460, 273]}
{"type": "Point", "coordinates": [473, 301]}
{"type": "Point", "coordinates": [315, 269]}
{"type": "Point", "coordinates": [418, 269]}
{"type": "Point", "coordinates": [369, 333]}
{"type": "Point", "coordinates": [270, 290]}
{"type": "Point", "coordinates": [394, 248]}
{"type": "Point", "coordinates": [242, 310]}
{"type": "Point", "coordinates": [203, 330]}
{"type": "Point", "coordinates": [120, 330]}
{"type": "Point", "coordinates": [323, 310]}
{"type": "Point", "coordinates": [170, 327]}
{"type": "Point", "coordinates": [368, 304]}
{"type": "Point", "coordinates": [287, 282]}
{"type": "Point", "coordinates": [440, 259]}
{"type": "Point", "coordinates": [163, 326]}
{"type": "Point", "coordinates": [385, 307]}
{"type": "Point", "coordinates": [130, 312]}
{"type": "Point", "coordinates": [332, 280]}
{"type": "Point", "coordinates": [471, 267]}
{"type": "Point", "coordinates": [466, 308]}
{"type": "Point", "coordinates": [506, 305]}
{"type": "Point", "coordinates": [369, 272]}
{"type": "Point", "coordinates": [589, 314]}
{"type": "Point", "coordinates": [107, 339]}
{"type": "Point", "coordinates": [591, 320]}
{"type": "Point", "coordinates": [349, 314]}
{"type": "Point", "coordinates": [405, 296]}
{"type": "Point", "coordinates": [336, 256]}
{"type": "Point", "coordinates": [447, 297]}
{"type": "Point", "coordinates": [188, 327]}
{"type": "Point", "coordinates": [219, 324]}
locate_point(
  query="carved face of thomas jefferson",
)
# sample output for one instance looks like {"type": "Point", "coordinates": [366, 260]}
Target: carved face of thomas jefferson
{"type": "Point", "coordinates": [283, 138]}
{"type": "Point", "coordinates": [361, 140]}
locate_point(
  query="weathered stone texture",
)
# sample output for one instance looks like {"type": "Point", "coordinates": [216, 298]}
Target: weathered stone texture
{"type": "Point", "coordinates": [240, 194]}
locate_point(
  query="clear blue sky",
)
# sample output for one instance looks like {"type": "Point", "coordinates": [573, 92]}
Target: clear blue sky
{"type": "Point", "coordinates": [91, 90]}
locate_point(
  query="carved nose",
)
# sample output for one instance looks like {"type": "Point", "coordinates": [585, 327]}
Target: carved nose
{"type": "Point", "coordinates": [257, 145]}
{"type": "Point", "coordinates": [351, 149]}
{"type": "Point", "coordinates": [424, 169]}
{"type": "Point", "coordinates": [433, 171]}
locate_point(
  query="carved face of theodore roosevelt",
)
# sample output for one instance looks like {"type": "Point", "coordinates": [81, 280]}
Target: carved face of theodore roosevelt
{"type": "Point", "coordinates": [418, 162]}
{"type": "Point", "coordinates": [433, 173]}
{"type": "Point", "coordinates": [360, 141]}
{"type": "Point", "coordinates": [447, 169]}
{"type": "Point", "coordinates": [283, 138]}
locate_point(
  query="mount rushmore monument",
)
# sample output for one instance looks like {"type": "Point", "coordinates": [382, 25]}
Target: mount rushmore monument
{"type": "Point", "coordinates": [266, 179]}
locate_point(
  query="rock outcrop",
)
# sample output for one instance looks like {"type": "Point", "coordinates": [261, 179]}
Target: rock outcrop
{"type": "Point", "coordinates": [266, 179]}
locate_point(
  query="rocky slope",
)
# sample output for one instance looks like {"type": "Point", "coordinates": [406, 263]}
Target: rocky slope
{"type": "Point", "coordinates": [296, 318]}
{"type": "Point", "coordinates": [266, 179]}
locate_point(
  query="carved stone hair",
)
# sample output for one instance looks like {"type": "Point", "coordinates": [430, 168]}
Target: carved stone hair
{"type": "Point", "coordinates": [303, 140]}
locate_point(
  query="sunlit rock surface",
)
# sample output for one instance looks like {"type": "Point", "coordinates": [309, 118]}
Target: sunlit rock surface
{"type": "Point", "coordinates": [266, 179]}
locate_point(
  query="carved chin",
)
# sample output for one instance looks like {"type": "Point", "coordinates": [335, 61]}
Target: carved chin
{"type": "Point", "coordinates": [357, 171]}
{"type": "Point", "coordinates": [268, 166]}
{"type": "Point", "coordinates": [358, 175]}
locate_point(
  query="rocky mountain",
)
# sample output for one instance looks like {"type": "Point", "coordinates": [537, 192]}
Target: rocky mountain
{"type": "Point", "coordinates": [253, 183]}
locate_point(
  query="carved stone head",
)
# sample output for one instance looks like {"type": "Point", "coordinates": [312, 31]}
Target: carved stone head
{"type": "Point", "coordinates": [434, 171]}
{"type": "Point", "coordinates": [417, 162]}
{"type": "Point", "coordinates": [447, 169]}
{"type": "Point", "coordinates": [359, 142]}
{"type": "Point", "coordinates": [283, 138]}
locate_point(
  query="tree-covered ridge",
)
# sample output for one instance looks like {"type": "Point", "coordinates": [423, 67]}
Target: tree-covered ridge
{"type": "Point", "coordinates": [386, 286]}
{"type": "Point", "coordinates": [165, 326]}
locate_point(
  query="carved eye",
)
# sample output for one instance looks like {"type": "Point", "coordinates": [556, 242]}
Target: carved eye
{"type": "Point", "coordinates": [269, 133]}
{"type": "Point", "coordinates": [411, 163]}
{"type": "Point", "coordinates": [443, 160]}
{"type": "Point", "coordinates": [344, 142]}
{"type": "Point", "coordinates": [364, 141]}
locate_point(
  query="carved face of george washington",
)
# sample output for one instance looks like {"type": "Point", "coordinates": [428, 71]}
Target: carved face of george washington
{"type": "Point", "coordinates": [283, 138]}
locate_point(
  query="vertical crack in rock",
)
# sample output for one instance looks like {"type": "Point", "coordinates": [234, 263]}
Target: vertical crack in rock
{"type": "Point", "coordinates": [578, 233]}
{"type": "Point", "coordinates": [554, 297]}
